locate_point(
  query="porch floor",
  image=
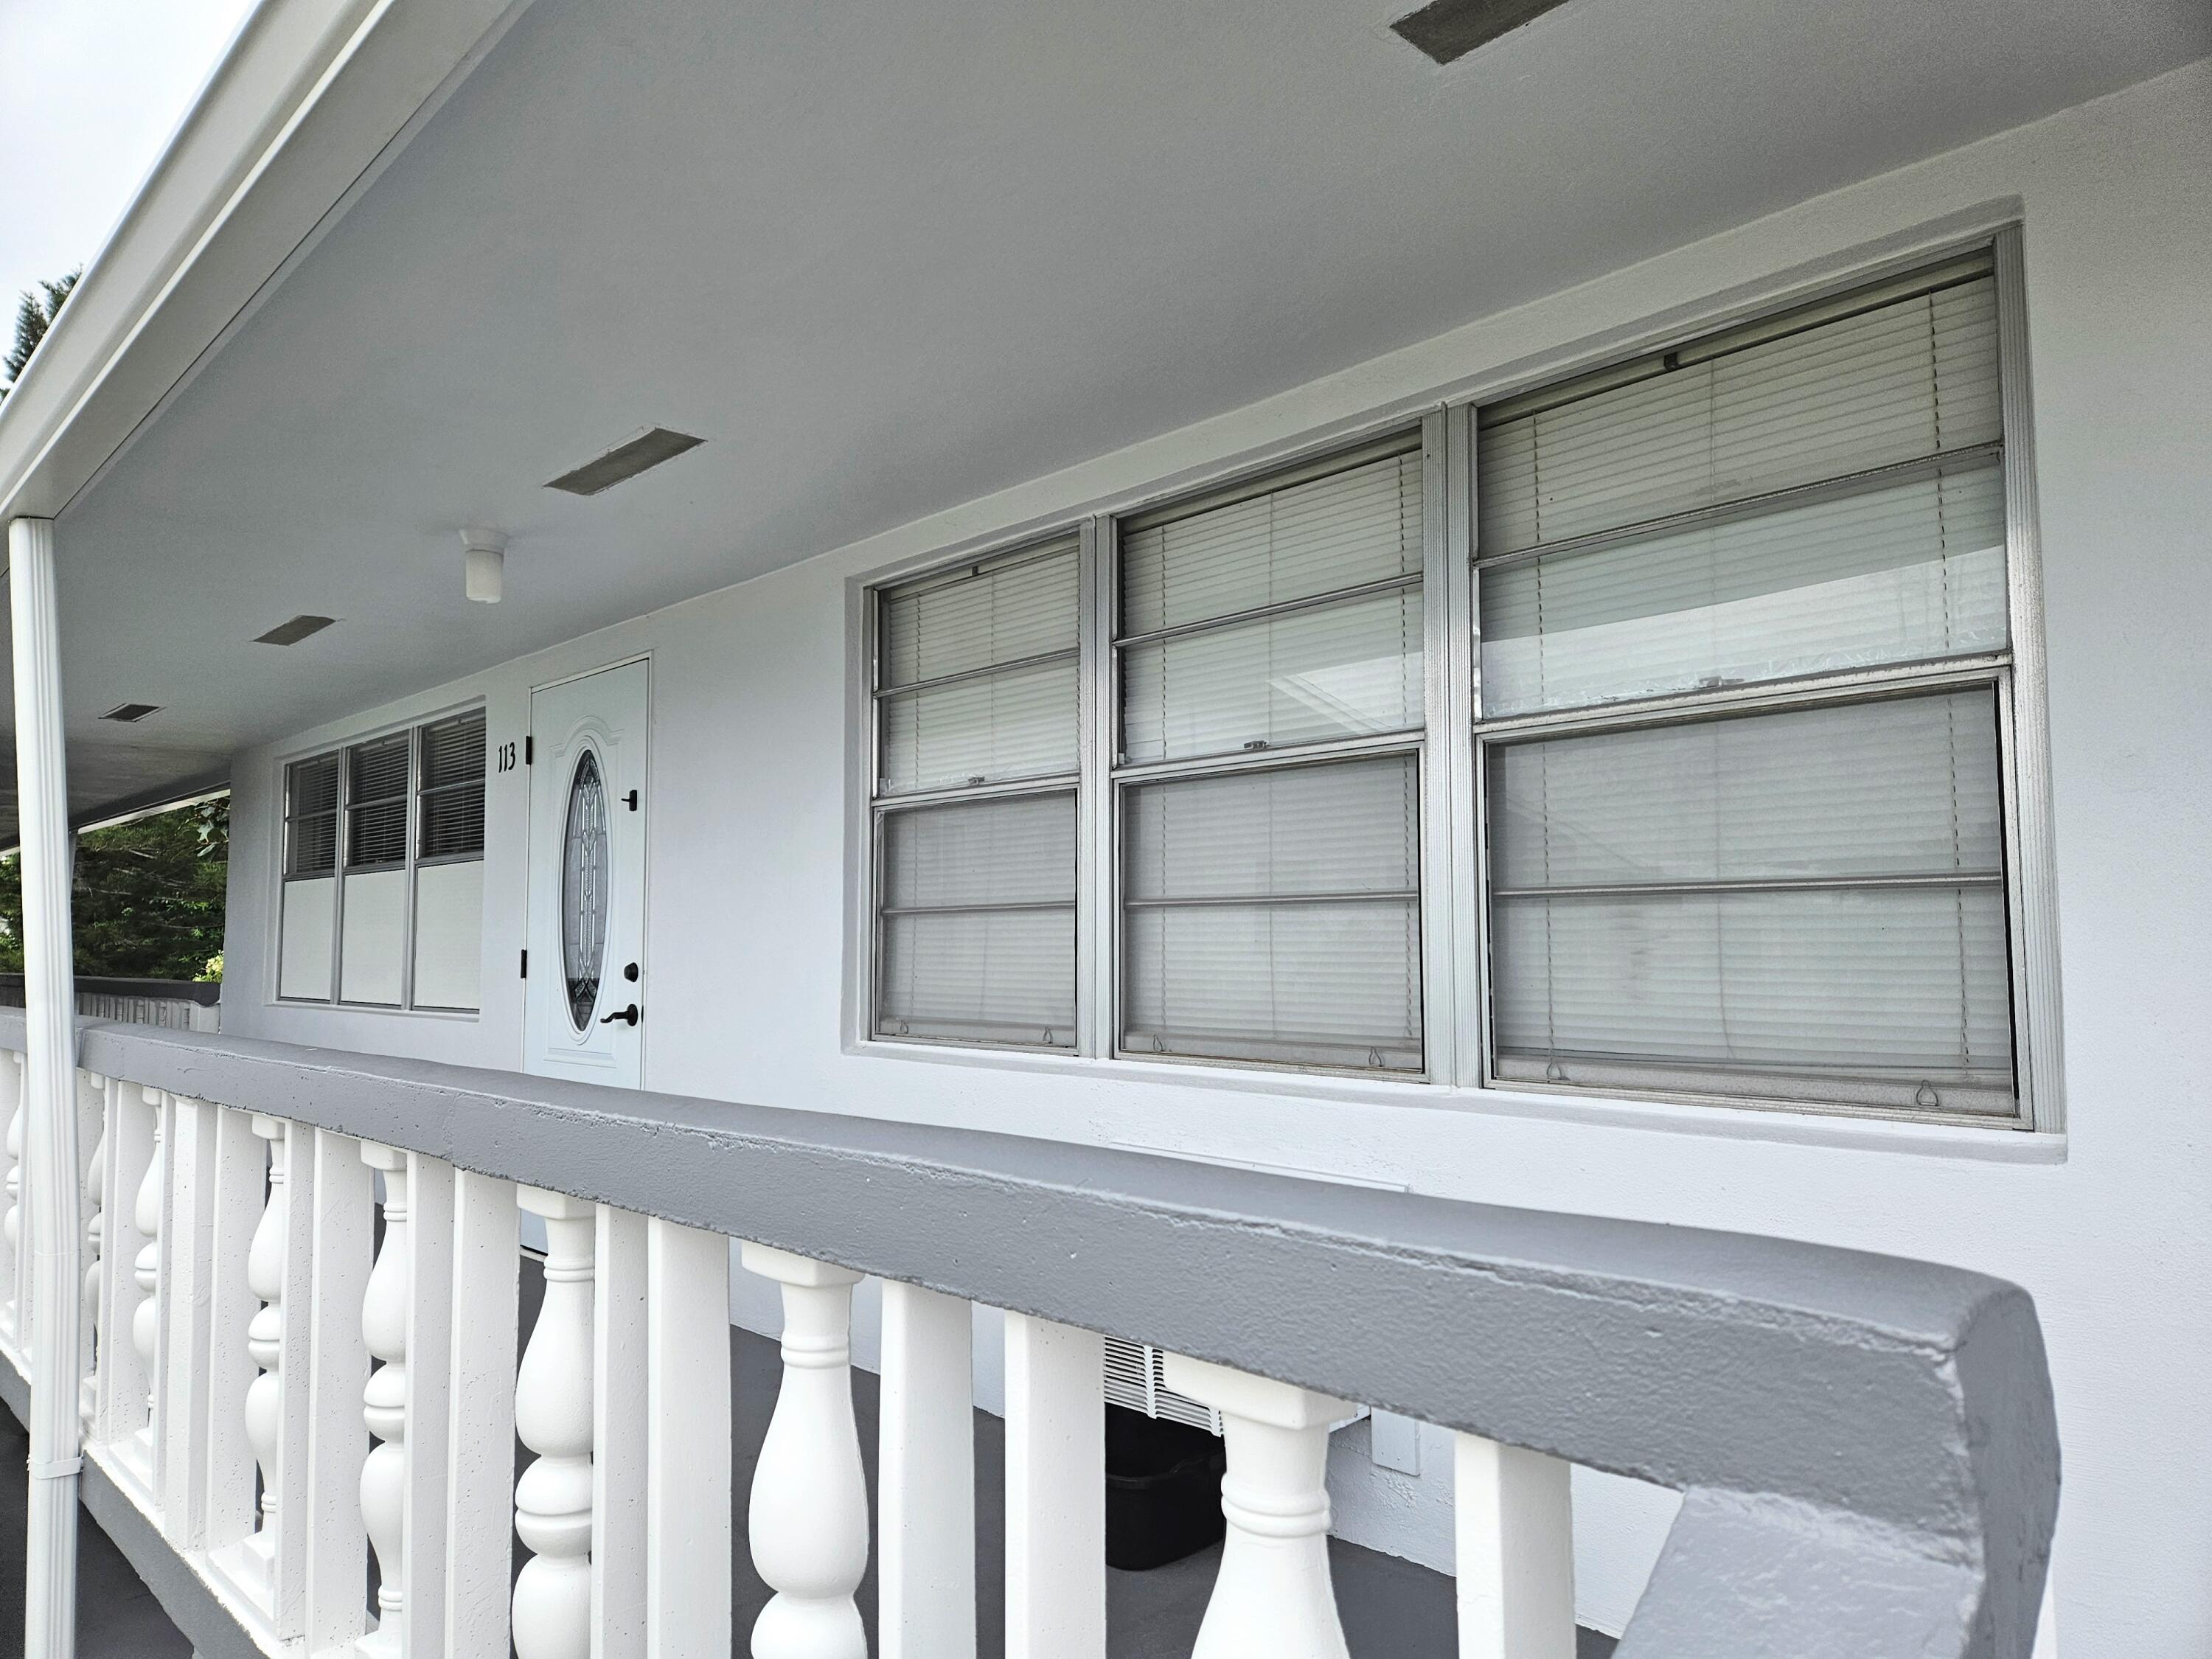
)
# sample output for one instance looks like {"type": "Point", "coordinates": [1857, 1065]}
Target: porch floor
{"type": "Point", "coordinates": [1392, 1609]}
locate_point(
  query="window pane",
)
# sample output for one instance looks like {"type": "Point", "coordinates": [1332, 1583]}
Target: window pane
{"type": "Point", "coordinates": [1903, 380]}
{"type": "Point", "coordinates": [452, 788]}
{"type": "Point", "coordinates": [1340, 671]}
{"type": "Point", "coordinates": [1274, 916]}
{"type": "Point", "coordinates": [1021, 607]}
{"type": "Point", "coordinates": [376, 805]}
{"type": "Point", "coordinates": [1019, 724]}
{"type": "Point", "coordinates": [1907, 787]}
{"type": "Point", "coordinates": [1807, 903]}
{"type": "Point", "coordinates": [978, 926]}
{"type": "Point", "coordinates": [1357, 525]}
{"type": "Point", "coordinates": [1907, 571]}
{"type": "Point", "coordinates": [311, 791]}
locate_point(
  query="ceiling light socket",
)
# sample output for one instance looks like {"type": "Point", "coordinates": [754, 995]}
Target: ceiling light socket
{"type": "Point", "coordinates": [484, 553]}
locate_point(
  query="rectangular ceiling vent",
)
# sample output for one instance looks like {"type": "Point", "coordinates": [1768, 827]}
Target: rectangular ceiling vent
{"type": "Point", "coordinates": [1446, 30]}
{"type": "Point", "coordinates": [626, 460]}
{"type": "Point", "coordinates": [128, 711]}
{"type": "Point", "coordinates": [292, 632]}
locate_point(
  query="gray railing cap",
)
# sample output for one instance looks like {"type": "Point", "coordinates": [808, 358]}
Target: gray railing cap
{"type": "Point", "coordinates": [1866, 1444]}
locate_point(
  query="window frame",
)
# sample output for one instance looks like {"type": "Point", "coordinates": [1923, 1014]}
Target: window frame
{"type": "Point", "coordinates": [343, 865]}
{"type": "Point", "coordinates": [1452, 748]}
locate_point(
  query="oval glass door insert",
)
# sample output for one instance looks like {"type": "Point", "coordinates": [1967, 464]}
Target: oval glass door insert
{"type": "Point", "coordinates": [584, 889]}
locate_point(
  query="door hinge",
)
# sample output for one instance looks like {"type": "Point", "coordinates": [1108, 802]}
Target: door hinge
{"type": "Point", "coordinates": [526, 964]}
{"type": "Point", "coordinates": [529, 749]}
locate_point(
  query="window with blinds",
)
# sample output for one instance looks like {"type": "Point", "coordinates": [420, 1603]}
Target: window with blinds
{"type": "Point", "coordinates": [1271, 655]}
{"type": "Point", "coordinates": [978, 738]}
{"type": "Point", "coordinates": [383, 886]}
{"type": "Point", "coordinates": [1801, 898]}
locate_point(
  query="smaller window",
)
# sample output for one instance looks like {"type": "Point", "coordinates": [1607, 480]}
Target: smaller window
{"type": "Point", "coordinates": [376, 805]}
{"type": "Point", "coordinates": [452, 789]}
{"type": "Point", "coordinates": [311, 817]}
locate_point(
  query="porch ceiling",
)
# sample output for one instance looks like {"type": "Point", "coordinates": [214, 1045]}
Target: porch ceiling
{"type": "Point", "coordinates": [886, 257]}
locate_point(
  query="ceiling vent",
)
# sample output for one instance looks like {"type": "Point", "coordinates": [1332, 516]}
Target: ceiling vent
{"type": "Point", "coordinates": [128, 712]}
{"type": "Point", "coordinates": [626, 460]}
{"type": "Point", "coordinates": [1446, 30]}
{"type": "Point", "coordinates": [292, 632]}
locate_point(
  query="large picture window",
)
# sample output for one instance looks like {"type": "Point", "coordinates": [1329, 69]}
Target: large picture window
{"type": "Point", "coordinates": [1664, 743]}
{"type": "Point", "coordinates": [383, 887]}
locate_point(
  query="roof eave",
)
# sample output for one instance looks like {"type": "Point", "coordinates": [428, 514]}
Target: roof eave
{"type": "Point", "coordinates": [310, 100]}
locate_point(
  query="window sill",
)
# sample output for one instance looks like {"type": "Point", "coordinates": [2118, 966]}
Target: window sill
{"type": "Point", "coordinates": [2004, 1142]}
{"type": "Point", "coordinates": [385, 1009]}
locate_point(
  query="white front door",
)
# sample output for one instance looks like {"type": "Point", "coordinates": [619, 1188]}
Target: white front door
{"type": "Point", "coordinates": [584, 1006]}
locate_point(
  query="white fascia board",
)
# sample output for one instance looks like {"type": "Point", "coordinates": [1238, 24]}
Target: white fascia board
{"type": "Point", "coordinates": [312, 97]}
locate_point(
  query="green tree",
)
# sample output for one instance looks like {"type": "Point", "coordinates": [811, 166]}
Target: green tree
{"type": "Point", "coordinates": [148, 899]}
{"type": "Point", "coordinates": [34, 315]}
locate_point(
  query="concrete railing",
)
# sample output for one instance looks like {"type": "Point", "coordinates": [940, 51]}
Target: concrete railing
{"type": "Point", "coordinates": [1865, 1446]}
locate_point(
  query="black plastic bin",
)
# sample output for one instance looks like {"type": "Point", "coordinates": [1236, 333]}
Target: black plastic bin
{"type": "Point", "coordinates": [1163, 1490]}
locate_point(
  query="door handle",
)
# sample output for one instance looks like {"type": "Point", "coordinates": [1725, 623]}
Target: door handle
{"type": "Point", "coordinates": [629, 1016]}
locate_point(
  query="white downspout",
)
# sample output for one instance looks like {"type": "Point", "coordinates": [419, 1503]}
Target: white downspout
{"type": "Point", "coordinates": [49, 1097]}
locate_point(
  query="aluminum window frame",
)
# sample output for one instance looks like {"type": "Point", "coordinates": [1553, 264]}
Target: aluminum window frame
{"type": "Point", "coordinates": [343, 866]}
{"type": "Point", "coordinates": [1456, 959]}
{"type": "Point", "coordinates": [2031, 1007]}
{"type": "Point", "coordinates": [1072, 540]}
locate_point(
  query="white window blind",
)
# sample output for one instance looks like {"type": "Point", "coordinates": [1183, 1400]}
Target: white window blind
{"type": "Point", "coordinates": [976, 674]}
{"type": "Point", "coordinates": [1815, 493]}
{"type": "Point", "coordinates": [1285, 614]}
{"type": "Point", "coordinates": [1274, 915]}
{"type": "Point", "coordinates": [977, 921]}
{"type": "Point", "coordinates": [1803, 903]}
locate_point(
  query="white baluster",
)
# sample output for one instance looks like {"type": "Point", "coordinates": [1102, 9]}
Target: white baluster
{"type": "Point", "coordinates": [1055, 1491]}
{"type": "Point", "coordinates": [808, 1518]}
{"type": "Point", "coordinates": [1273, 1599]}
{"type": "Point", "coordinates": [1515, 1520]}
{"type": "Point", "coordinates": [265, 1341]}
{"type": "Point", "coordinates": [18, 1306]}
{"type": "Point", "coordinates": [383, 1403]}
{"type": "Point", "coordinates": [146, 1273]}
{"type": "Point", "coordinates": [926, 1480]}
{"type": "Point", "coordinates": [11, 1083]}
{"type": "Point", "coordinates": [95, 1178]}
{"type": "Point", "coordinates": [553, 1417]}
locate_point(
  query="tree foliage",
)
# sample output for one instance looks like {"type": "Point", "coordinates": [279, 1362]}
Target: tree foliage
{"type": "Point", "coordinates": [148, 897]}
{"type": "Point", "coordinates": [34, 315]}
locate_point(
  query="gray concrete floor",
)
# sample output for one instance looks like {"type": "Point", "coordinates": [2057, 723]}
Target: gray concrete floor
{"type": "Point", "coordinates": [1392, 1609]}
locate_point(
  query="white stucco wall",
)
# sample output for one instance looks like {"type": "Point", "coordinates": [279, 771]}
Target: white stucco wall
{"type": "Point", "coordinates": [2109, 1226]}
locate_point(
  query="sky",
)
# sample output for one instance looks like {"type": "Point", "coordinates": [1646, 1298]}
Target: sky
{"type": "Point", "coordinates": [90, 91]}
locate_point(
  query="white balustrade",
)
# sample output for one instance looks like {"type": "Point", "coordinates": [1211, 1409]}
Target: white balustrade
{"type": "Point", "coordinates": [553, 1412]}
{"type": "Point", "coordinates": [1055, 1491]}
{"type": "Point", "coordinates": [146, 1274]}
{"type": "Point", "coordinates": [1273, 1599]}
{"type": "Point", "coordinates": [479, 1517]}
{"type": "Point", "coordinates": [384, 1401]}
{"type": "Point", "coordinates": [808, 1518]}
{"type": "Point", "coordinates": [1515, 1520]}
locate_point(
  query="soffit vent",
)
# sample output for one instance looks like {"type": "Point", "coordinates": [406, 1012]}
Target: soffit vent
{"type": "Point", "coordinates": [128, 711]}
{"type": "Point", "coordinates": [292, 632]}
{"type": "Point", "coordinates": [626, 461]}
{"type": "Point", "coordinates": [1446, 30]}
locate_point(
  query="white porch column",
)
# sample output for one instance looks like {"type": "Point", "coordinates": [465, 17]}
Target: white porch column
{"type": "Point", "coordinates": [49, 1108]}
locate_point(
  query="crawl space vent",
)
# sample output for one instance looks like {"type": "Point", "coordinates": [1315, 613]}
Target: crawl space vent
{"type": "Point", "coordinates": [625, 461]}
{"type": "Point", "coordinates": [1448, 30]}
{"type": "Point", "coordinates": [292, 632]}
{"type": "Point", "coordinates": [128, 711]}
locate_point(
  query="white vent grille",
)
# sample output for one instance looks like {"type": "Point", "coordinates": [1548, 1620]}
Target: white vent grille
{"type": "Point", "coordinates": [1136, 1376]}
